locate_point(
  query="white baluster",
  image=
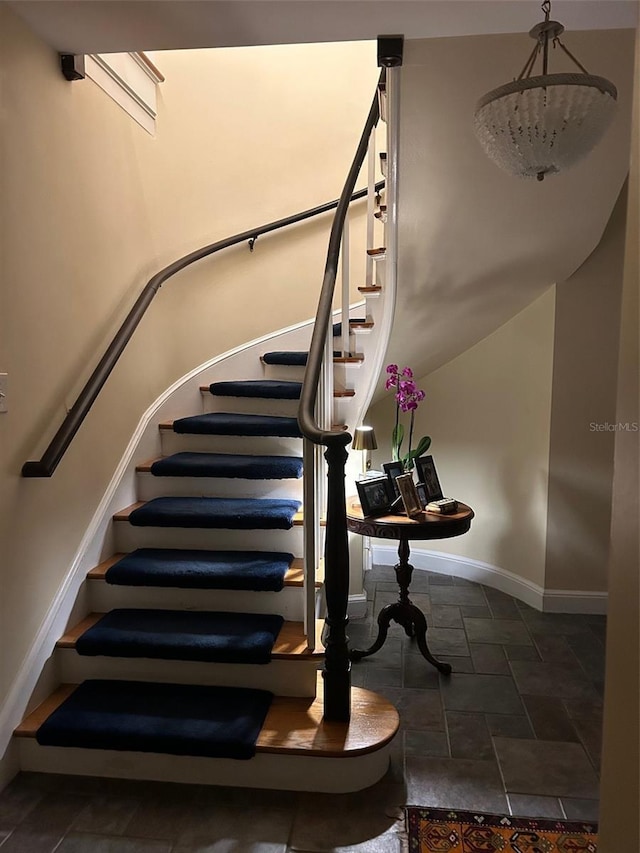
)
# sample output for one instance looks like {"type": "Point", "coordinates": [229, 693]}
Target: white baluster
{"type": "Point", "coordinates": [344, 269]}
{"type": "Point", "coordinates": [371, 201]}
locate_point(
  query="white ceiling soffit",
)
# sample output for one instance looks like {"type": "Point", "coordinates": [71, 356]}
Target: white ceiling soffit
{"type": "Point", "coordinates": [477, 245]}
{"type": "Point", "coordinates": [103, 26]}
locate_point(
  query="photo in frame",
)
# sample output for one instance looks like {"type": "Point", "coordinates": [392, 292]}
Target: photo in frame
{"type": "Point", "coordinates": [429, 478]}
{"type": "Point", "coordinates": [393, 470]}
{"type": "Point", "coordinates": [409, 494]}
{"type": "Point", "coordinates": [375, 495]}
{"type": "Point", "coordinates": [422, 494]}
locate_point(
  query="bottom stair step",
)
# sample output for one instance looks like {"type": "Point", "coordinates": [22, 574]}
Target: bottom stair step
{"type": "Point", "coordinates": [178, 719]}
{"type": "Point", "coordinates": [295, 748]}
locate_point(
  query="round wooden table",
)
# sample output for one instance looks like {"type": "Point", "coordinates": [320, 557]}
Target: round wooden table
{"type": "Point", "coordinates": [427, 525]}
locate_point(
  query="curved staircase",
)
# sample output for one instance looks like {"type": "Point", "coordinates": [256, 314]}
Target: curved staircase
{"type": "Point", "coordinates": [196, 655]}
{"type": "Point", "coordinates": [193, 663]}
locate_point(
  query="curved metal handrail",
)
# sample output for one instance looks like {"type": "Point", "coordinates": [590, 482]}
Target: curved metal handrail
{"type": "Point", "coordinates": [306, 412]}
{"type": "Point", "coordinates": [77, 413]}
{"type": "Point", "coordinates": [337, 667]}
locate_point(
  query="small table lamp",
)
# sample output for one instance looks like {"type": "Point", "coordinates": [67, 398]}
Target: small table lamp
{"type": "Point", "coordinates": [364, 438]}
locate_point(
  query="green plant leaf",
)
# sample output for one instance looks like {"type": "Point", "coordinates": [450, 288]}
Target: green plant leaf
{"type": "Point", "coordinates": [397, 437]}
{"type": "Point", "coordinates": [423, 445]}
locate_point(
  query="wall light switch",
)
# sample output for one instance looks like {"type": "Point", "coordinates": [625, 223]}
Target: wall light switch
{"type": "Point", "coordinates": [3, 392]}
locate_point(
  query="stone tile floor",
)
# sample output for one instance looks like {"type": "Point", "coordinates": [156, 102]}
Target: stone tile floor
{"type": "Point", "coordinates": [515, 729]}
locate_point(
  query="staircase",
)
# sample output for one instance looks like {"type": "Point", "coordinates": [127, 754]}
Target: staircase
{"type": "Point", "coordinates": [192, 649]}
{"type": "Point", "coordinates": [193, 664]}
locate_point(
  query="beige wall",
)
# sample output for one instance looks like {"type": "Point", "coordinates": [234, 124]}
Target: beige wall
{"type": "Point", "coordinates": [620, 794]}
{"type": "Point", "coordinates": [92, 206]}
{"type": "Point", "coordinates": [488, 414]}
{"type": "Point", "coordinates": [585, 364]}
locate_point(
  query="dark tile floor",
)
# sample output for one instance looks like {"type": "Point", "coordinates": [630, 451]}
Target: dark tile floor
{"type": "Point", "coordinates": [515, 728]}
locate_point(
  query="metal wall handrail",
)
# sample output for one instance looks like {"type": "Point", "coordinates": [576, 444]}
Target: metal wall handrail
{"type": "Point", "coordinates": [59, 444]}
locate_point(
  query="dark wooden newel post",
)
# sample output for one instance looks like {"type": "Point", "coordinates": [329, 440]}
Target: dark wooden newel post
{"type": "Point", "coordinates": [337, 666]}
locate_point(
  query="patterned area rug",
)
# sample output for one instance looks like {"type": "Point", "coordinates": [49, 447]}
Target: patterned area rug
{"type": "Point", "coordinates": [445, 831]}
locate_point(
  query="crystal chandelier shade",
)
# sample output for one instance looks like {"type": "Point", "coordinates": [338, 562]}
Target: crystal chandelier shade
{"type": "Point", "coordinates": [538, 126]}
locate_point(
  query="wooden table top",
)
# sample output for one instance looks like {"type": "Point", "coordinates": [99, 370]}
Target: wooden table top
{"type": "Point", "coordinates": [427, 525]}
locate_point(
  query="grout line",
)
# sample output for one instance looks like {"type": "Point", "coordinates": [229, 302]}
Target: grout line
{"type": "Point", "coordinates": [510, 807]}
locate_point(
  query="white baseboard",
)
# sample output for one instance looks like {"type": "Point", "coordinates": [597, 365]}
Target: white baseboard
{"type": "Point", "coordinates": [574, 601]}
{"type": "Point", "coordinates": [548, 600]}
{"type": "Point", "coordinates": [357, 606]}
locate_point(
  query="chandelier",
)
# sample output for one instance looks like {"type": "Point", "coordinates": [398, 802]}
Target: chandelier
{"type": "Point", "coordinates": [536, 126]}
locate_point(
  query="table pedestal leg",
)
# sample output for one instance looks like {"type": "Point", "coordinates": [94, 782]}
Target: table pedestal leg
{"type": "Point", "coordinates": [405, 613]}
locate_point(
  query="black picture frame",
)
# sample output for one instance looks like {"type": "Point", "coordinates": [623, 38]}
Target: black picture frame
{"type": "Point", "coordinates": [393, 470]}
{"type": "Point", "coordinates": [422, 494]}
{"type": "Point", "coordinates": [409, 493]}
{"type": "Point", "coordinates": [375, 495]}
{"type": "Point", "coordinates": [429, 478]}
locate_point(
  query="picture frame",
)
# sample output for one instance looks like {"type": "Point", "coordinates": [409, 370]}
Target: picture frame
{"type": "Point", "coordinates": [422, 494]}
{"type": "Point", "coordinates": [409, 494]}
{"type": "Point", "coordinates": [429, 477]}
{"type": "Point", "coordinates": [393, 470]}
{"type": "Point", "coordinates": [375, 495]}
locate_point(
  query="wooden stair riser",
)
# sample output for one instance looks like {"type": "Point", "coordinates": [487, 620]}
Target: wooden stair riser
{"type": "Point", "coordinates": [128, 538]}
{"type": "Point", "coordinates": [173, 442]}
{"type": "Point", "coordinates": [148, 487]}
{"type": "Point", "coordinates": [250, 405]}
{"type": "Point", "coordinates": [288, 602]}
{"type": "Point", "coordinates": [281, 677]}
{"type": "Point", "coordinates": [265, 770]}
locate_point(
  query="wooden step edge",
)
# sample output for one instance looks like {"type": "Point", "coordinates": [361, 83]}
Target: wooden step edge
{"type": "Point", "coordinates": [367, 324]}
{"type": "Point", "coordinates": [293, 725]}
{"type": "Point", "coordinates": [344, 392]}
{"type": "Point", "coordinates": [372, 288]}
{"type": "Point", "coordinates": [290, 644]}
{"type": "Point", "coordinates": [348, 359]}
{"type": "Point", "coordinates": [378, 254]}
{"type": "Point", "coordinates": [123, 515]}
{"type": "Point", "coordinates": [293, 576]}
{"type": "Point", "coordinates": [32, 722]}
{"type": "Point", "coordinates": [98, 572]}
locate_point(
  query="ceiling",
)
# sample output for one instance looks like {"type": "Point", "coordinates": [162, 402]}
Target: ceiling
{"type": "Point", "coordinates": [102, 26]}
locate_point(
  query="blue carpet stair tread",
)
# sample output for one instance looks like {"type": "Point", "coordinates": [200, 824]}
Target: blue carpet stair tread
{"type": "Point", "coordinates": [261, 571]}
{"type": "Point", "coordinates": [274, 389]}
{"type": "Point", "coordinates": [227, 423]}
{"type": "Point", "coordinates": [216, 513]}
{"type": "Point", "coordinates": [229, 465]}
{"type": "Point", "coordinates": [175, 719]}
{"type": "Point", "coordinates": [213, 636]}
{"type": "Point", "coordinates": [290, 359]}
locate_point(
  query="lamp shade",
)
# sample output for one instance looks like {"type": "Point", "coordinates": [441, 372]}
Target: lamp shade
{"type": "Point", "coordinates": [543, 125]}
{"type": "Point", "coordinates": [364, 438]}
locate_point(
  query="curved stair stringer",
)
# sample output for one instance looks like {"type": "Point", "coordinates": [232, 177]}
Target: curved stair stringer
{"type": "Point", "coordinates": [277, 764]}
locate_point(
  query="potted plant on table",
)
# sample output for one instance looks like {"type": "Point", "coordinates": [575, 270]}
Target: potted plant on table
{"type": "Point", "coordinates": [408, 398]}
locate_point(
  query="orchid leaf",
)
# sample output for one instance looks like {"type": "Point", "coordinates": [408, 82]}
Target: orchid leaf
{"type": "Point", "coordinates": [423, 445]}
